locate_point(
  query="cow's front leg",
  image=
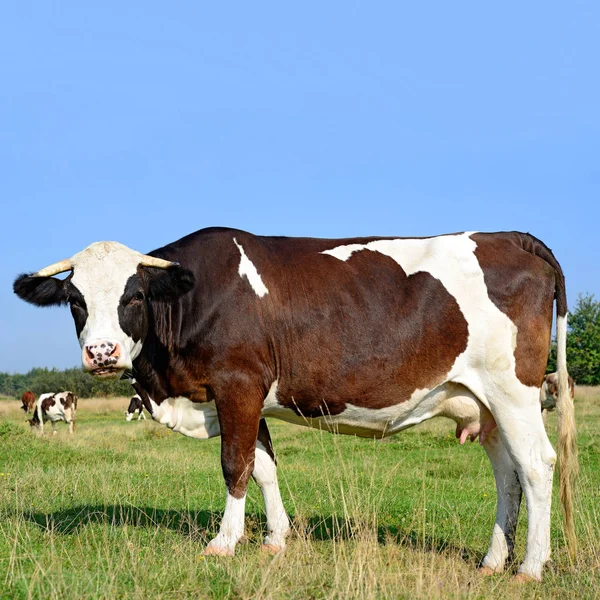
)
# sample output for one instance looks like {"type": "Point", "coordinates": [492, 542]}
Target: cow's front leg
{"type": "Point", "coordinates": [265, 476]}
{"type": "Point", "coordinates": [238, 420]}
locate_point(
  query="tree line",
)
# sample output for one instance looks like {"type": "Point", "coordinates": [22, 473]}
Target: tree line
{"type": "Point", "coordinates": [583, 356]}
{"type": "Point", "coordinates": [583, 342]}
{"type": "Point", "coordinates": [40, 381]}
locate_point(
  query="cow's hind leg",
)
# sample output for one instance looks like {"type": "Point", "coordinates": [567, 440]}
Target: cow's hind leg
{"type": "Point", "coordinates": [508, 490]}
{"type": "Point", "coordinates": [520, 425]}
{"type": "Point", "coordinates": [265, 476]}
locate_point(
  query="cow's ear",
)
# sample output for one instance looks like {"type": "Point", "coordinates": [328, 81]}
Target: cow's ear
{"type": "Point", "coordinates": [41, 291]}
{"type": "Point", "coordinates": [169, 284]}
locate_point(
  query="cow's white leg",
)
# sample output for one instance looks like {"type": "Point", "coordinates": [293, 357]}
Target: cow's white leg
{"type": "Point", "coordinates": [40, 418]}
{"type": "Point", "coordinates": [265, 476]}
{"type": "Point", "coordinates": [508, 490]}
{"type": "Point", "coordinates": [520, 425]}
{"type": "Point", "coordinates": [53, 427]}
{"type": "Point", "coordinates": [232, 528]}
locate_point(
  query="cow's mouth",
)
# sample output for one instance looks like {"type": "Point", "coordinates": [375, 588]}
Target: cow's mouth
{"type": "Point", "coordinates": [107, 372]}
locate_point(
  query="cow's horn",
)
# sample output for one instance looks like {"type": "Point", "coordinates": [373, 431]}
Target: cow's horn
{"type": "Point", "coordinates": [55, 269]}
{"type": "Point", "coordinates": [157, 263]}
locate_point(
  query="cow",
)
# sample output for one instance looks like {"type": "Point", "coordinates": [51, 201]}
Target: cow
{"type": "Point", "coordinates": [360, 336]}
{"type": "Point", "coordinates": [27, 401]}
{"type": "Point", "coordinates": [549, 393]}
{"type": "Point", "coordinates": [135, 405]}
{"type": "Point", "coordinates": [55, 407]}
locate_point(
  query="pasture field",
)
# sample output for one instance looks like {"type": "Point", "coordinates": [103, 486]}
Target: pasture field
{"type": "Point", "coordinates": [123, 510]}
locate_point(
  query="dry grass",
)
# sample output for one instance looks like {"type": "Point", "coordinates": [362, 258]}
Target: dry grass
{"type": "Point", "coordinates": [124, 510]}
{"type": "Point", "coordinates": [10, 408]}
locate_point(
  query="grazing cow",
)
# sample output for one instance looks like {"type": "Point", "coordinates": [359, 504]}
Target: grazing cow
{"type": "Point", "coordinates": [549, 391]}
{"type": "Point", "coordinates": [28, 401]}
{"type": "Point", "coordinates": [53, 408]}
{"type": "Point", "coordinates": [363, 336]}
{"type": "Point", "coordinates": [135, 405]}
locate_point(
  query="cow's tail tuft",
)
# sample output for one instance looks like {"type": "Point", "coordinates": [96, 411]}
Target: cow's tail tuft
{"type": "Point", "coordinates": [567, 440]}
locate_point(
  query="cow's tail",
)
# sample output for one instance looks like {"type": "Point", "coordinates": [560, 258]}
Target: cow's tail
{"type": "Point", "coordinates": [567, 441]}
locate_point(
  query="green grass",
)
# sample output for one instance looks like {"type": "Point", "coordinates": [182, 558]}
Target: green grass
{"type": "Point", "coordinates": [123, 510]}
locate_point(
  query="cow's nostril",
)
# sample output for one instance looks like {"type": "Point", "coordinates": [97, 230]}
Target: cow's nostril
{"type": "Point", "coordinates": [89, 352]}
{"type": "Point", "coordinates": [113, 350]}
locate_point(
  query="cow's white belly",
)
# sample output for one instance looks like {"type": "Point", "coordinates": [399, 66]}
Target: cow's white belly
{"type": "Point", "coordinates": [194, 419]}
{"type": "Point", "coordinates": [449, 400]}
{"type": "Point", "coordinates": [200, 420]}
{"type": "Point", "coordinates": [57, 413]}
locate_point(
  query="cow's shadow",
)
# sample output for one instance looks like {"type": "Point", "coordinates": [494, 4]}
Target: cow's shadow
{"type": "Point", "coordinates": [72, 520]}
{"type": "Point", "coordinates": [203, 525]}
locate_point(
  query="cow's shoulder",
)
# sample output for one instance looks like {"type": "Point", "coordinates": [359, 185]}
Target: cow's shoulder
{"type": "Point", "coordinates": [47, 401]}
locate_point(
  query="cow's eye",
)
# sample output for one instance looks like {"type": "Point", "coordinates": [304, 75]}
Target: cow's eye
{"type": "Point", "coordinates": [138, 297]}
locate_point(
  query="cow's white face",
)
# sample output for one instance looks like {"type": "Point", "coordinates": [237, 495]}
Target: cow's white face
{"type": "Point", "coordinates": [108, 293]}
{"type": "Point", "coordinates": [111, 321]}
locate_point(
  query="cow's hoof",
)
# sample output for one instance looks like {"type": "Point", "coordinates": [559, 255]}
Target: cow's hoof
{"type": "Point", "coordinates": [487, 571]}
{"type": "Point", "coordinates": [524, 578]}
{"type": "Point", "coordinates": [217, 551]}
{"type": "Point", "coordinates": [271, 548]}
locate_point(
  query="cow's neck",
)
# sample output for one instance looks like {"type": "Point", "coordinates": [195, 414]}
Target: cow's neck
{"type": "Point", "coordinates": [160, 368]}
{"type": "Point", "coordinates": [152, 365]}
{"type": "Point", "coordinates": [163, 373]}
{"type": "Point", "coordinates": [152, 381]}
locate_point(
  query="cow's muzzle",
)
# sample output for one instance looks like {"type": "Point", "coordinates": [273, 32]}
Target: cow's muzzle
{"type": "Point", "coordinates": [104, 358]}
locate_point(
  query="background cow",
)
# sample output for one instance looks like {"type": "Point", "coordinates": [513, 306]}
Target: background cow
{"type": "Point", "coordinates": [549, 393]}
{"type": "Point", "coordinates": [28, 401]}
{"type": "Point", "coordinates": [365, 336]}
{"type": "Point", "coordinates": [55, 407]}
{"type": "Point", "coordinates": [135, 405]}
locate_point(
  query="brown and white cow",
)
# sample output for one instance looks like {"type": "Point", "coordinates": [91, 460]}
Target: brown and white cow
{"type": "Point", "coordinates": [363, 336]}
{"type": "Point", "coordinates": [53, 408]}
{"type": "Point", "coordinates": [549, 393]}
{"type": "Point", "coordinates": [28, 401]}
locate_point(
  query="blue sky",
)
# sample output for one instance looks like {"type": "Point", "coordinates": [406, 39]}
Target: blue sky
{"type": "Point", "coordinates": [143, 121]}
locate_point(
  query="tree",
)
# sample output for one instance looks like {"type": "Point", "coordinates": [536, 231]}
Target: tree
{"type": "Point", "coordinates": [52, 380]}
{"type": "Point", "coordinates": [583, 342]}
